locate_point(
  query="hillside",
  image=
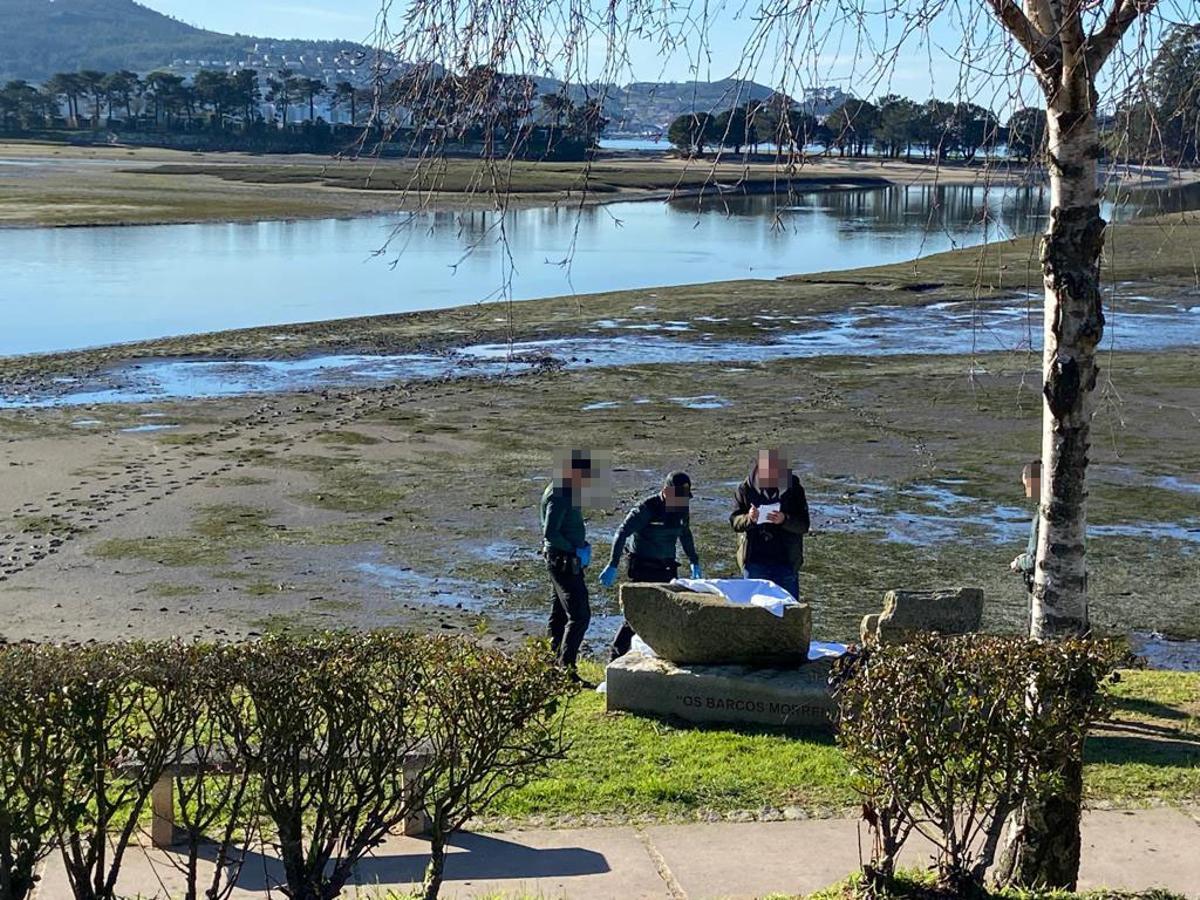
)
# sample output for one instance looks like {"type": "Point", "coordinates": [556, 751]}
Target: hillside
{"type": "Point", "coordinates": [41, 37]}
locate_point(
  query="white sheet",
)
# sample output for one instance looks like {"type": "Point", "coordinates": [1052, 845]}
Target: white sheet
{"type": "Point", "coordinates": [742, 591]}
{"type": "Point", "coordinates": [816, 650]}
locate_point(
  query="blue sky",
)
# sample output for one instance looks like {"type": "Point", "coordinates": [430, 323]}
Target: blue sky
{"type": "Point", "coordinates": [349, 19]}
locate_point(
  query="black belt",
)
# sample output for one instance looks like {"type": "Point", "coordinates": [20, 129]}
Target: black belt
{"type": "Point", "coordinates": [635, 559]}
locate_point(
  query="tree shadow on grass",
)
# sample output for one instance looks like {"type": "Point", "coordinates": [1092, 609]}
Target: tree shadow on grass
{"type": "Point", "coordinates": [1151, 709]}
{"type": "Point", "coordinates": [1134, 745]}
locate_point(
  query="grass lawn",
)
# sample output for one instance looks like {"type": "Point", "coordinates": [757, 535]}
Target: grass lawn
{"type": "Point", "coordinates": [634, 768]}
{"type": "Point", "coordinates": [913, 885]}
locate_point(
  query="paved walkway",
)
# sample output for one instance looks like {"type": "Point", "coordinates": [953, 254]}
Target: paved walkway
{"type": "Point", "coordinates": [1157, 848]}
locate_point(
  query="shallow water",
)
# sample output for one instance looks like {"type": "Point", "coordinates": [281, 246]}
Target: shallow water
{"type": "Point", "coordinates": [444, 591]}
{"type": "Point", "coordinates": [1144, 324]}
{"type": "Point", "coordinates": [1162, 653]}
{"type": "Point", "coordinates": [69, 288]}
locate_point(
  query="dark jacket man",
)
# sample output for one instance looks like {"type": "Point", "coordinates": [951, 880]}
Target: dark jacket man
{"type": "Point", "coordinates": [771, 546]}
{"type": "Point", "coordinates": [652, 530]}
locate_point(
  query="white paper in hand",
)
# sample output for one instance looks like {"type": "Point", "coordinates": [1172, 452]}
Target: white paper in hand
{"type": "Point", "coordinates": [765, 510]}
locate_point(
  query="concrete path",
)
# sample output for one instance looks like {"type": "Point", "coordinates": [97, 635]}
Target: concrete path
{"type": "Point", "coordinates": [1129, 850]}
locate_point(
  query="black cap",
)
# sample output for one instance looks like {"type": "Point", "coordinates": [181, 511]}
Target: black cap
{"type": "Point", "coordinates": [681, 482]}
{"type": "Point", "coordinates": [581, 461]}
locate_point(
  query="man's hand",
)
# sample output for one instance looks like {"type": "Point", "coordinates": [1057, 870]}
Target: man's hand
{"type": "Point", "coordinates": [696, 571]}
{"type": "Point", "coordinates": [753, 514]}
{"type": "Point", "coordinates": [775, 518]}
{"type": "Point", "coordinates": [1015, 566]}
{"type": "Point", "coordinates": [609, 576]}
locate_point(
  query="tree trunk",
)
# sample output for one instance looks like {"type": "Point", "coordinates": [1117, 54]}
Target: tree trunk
{"type": "Point", "coordinates": [1074, 325]}
{"type": "Point", "coordinates": [1043, 841]}
{"type": "Point", "coordinates": [436, 870]}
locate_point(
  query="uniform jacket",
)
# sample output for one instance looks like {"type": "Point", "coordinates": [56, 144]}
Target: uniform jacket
{"type": "Point", "coordinates": [652, 529]}
{"type": "Point", "coordinates": [562, 520]}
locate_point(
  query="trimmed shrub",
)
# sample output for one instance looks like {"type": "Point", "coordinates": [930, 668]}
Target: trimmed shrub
{"type": "Point", "coordinates": [333, 719]}
{"type": "Point", "coordinates": [298, 742]}
{"type": "Point", "coordinates": [494, 721]}
{"type": "Point", "coordinates": [949, 736]}
{"type": "Point", "coordinates": [33, 723]}
{"type": "Point", "coordinates": [213, 785]}
{"type": "Point", "coordinates": [123, 715]}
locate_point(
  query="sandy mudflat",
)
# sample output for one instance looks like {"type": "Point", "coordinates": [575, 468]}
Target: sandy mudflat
{"type": "Point", "coordinates": [55, 185]}
{"type": "Point", "coordinates": [415, 506]}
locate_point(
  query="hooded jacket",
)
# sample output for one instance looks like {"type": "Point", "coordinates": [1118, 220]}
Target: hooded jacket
{"type": "Point", "coordinates": [765, 543]}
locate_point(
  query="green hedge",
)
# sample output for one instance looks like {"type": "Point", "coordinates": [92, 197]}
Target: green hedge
{"type": "Point", "coordinates": [300, 744]}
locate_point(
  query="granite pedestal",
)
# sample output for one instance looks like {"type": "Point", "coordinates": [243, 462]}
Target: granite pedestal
{"type": "Point", "coordinates": [793, 697]}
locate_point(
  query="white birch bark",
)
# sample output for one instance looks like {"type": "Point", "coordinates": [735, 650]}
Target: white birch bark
{"type": "Point", "coordinates": [1073, 328]}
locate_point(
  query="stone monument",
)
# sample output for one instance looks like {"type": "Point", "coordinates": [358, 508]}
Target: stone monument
{"type": "Point", "coordinates": [705, 629]}
{"type": "Point", "coordinates": [908, 613]}
{"type": "Point", "coordinates": [715, 661]}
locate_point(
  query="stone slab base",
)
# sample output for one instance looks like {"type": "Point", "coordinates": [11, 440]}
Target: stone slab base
{"type": "Point", "coordinates": [793, 698]}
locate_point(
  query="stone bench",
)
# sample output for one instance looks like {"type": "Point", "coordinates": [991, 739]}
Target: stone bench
{"type": "Point", "coordinates": [162, 795]}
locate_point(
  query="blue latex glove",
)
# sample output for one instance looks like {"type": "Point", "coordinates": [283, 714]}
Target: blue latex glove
{"type": "Point", "coordinates": [585, 555]}
{"type": "Point", "coordinates": [609, 576]}
{"type": "Point", "coordinates": [696, 571]}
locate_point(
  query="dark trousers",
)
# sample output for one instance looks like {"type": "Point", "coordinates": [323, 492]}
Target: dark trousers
{"type": "Point", "coordinates": [783, 575]}
{"type": "Point", "coordinates": [642, 568]}
{"type": "Point", "coordinates": [570, 611]}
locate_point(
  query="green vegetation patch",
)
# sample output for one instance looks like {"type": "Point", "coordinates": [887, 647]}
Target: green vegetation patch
{"type": "Point", "coordinates": [353, 487]}
{"type": "Point", "coordinates": [45, 524]}
{"type": "Point", "coordinates": [347, 438]}
{"type": "Point", "coordinates": [166, 589]}
{"type": "Point", "coordinates": [214, 533]}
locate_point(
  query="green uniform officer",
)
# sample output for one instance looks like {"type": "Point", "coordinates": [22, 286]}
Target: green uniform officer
{"type": "Point", "coordinates": [652, 529]}
{"type": "Point", "coordinates": [567, 552]}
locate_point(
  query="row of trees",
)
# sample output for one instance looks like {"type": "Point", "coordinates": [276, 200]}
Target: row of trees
{"type": "Point", "coordinates": [892, 127]}
{"type": "Point", "coordinates": [1159, 122]}
{"type": "Point", "coordinates": [479, 106]}
{"type": "Point", "coordinates": [93, 98]}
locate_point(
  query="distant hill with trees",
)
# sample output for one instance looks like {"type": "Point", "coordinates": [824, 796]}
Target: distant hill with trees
{"type": "Point", "coordinates": [42, 37]}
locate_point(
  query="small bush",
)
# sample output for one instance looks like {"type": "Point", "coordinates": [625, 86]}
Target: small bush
{"type": "Point", "coordinates": [32, 729]}
{"type": "Point", "coordinates": [949, 736]}
{"type": "Point", "coordinates": [334, 717]}
{"type": "Point", "coordinates": [124, 711]}
{"type": "Point", "coordinates": [216, 813]}
{"type": "Point", "coordinates": [494, 721]}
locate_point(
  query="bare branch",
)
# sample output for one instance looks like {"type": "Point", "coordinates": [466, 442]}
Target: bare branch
{"type": "Point", "coordinates": [1043, 52]}
{"type": "Point", "coordinates": [1122, 15]}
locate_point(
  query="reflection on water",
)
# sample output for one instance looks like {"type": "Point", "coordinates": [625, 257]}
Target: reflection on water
{"type": "Point", "coordinates": [70, 288]}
